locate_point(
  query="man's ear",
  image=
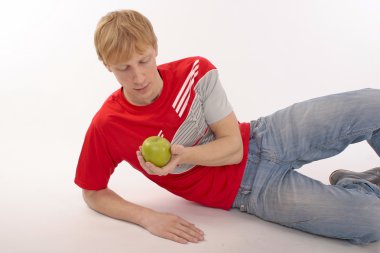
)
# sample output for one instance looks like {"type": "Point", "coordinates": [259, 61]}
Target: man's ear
{"type": "Point", "coordinates": [156, 49]}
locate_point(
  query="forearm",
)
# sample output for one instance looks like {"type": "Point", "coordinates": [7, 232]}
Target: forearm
{"type": "Point", "coordinates": [222, 151]}
{"type": "Point", "coordinates": [107, 202]}
{"type": "Point", "coordinates": [165, 225]}
{"type": "Point", "coordinates": [226, 149]}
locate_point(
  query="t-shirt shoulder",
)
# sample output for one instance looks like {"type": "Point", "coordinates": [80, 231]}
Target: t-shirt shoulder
{"type": "Point", "coordinates": [186, 63]}
{"type": "Point", "coordinates": [108, 108]}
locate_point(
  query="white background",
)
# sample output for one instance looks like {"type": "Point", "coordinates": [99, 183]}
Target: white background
{"type": "Point", "coordinates": [270, 54]}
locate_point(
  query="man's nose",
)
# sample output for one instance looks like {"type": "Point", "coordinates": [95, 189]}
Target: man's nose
{"type": "Point", "coordinates": [138, 76]}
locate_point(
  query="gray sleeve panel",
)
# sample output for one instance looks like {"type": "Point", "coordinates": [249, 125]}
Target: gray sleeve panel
{"type": "Point", "coordinates": [214, 99]}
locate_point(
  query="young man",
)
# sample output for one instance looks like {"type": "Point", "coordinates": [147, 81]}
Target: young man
{"type": "Point", "coordinates": [216, 160]}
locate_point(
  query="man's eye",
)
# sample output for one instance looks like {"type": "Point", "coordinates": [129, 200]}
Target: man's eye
{"type": "Point", "coordinates": [145, 61]}
{"type": "Point", "coordinates": [123, 69]}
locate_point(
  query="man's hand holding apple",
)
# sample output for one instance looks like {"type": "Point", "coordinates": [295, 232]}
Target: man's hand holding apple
{"type": "Point", "coordinates": [176, 152]}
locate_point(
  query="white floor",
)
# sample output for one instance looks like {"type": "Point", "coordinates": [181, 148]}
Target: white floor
{"type": "Point", "coordinates": [42, 211]}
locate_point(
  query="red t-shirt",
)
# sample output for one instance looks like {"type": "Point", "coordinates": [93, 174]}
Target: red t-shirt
{"type": "Point", "coordinates": [191, 99]}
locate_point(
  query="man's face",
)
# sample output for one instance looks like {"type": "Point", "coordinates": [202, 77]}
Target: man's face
{"type": "Point", "coordinates": [139, 77]}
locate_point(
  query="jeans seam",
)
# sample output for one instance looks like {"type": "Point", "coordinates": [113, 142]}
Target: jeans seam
{"type": "Point", "coordinates": [356, 133]}
{"type": "Point", "coordinates": [274, 157]}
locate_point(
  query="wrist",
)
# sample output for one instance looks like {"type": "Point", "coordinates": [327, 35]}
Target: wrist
{"type": "Point", "coordinates": [144, 219]}
{"type": "Point", "coordinates": [179, 153]}
{"type": "Point", "coordinates": [183, 156]}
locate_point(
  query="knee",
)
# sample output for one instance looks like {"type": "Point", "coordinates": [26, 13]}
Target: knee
{"type": "Point", "coordinates": [367, 238]}
{"type": "Point", "coordinates": [370, 231]}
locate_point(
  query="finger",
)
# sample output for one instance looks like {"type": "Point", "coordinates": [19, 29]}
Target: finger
{"type": "Point", "coordinates": [194, 232]}
{"type": "Point", "coordinates": [139, 154]}
{"type": "Point", "coordinates": [176, 238]}
{"type": "Point", "coordinates": [191, 229]}
{"type": "Point", "coordinates": [176, 149]}
{"type": "Point", "coordinates": [140, 158]}
{"type": "Point", "coordinates": [152, 168]}
{"type": "Point", "coordinates": [197, 232]}
{"type": "Point", "coordinates": [170, 167]}
{"type": "Point", "coordinates": [189, 224]}
{"type": "Point", "coordinates": [143, 164]}
{"type": "Point", "coordinates": [186, 234]}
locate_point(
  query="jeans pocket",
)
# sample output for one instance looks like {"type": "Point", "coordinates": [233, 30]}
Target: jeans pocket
{"type": "Point", "coordinates": [242, 199]}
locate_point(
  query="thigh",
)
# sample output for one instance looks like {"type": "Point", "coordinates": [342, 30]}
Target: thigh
{"type": "Point", "coordinates": [321, 127]}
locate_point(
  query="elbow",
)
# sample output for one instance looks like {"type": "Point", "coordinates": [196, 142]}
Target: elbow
{"type": "Point", "coordinates": [239, 153]}
{"type": "Point", "coordinates": [88, 196]}
{"type": "Point", "coordinates": [239, 156]}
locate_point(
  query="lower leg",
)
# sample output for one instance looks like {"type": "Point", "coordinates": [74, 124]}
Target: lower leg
{"type": "Point", "coordinates": [372, 176]}
{"type": "Point", "coordinates": [374, 142]}
{"type": "Point", "coordinates": [350, 211]}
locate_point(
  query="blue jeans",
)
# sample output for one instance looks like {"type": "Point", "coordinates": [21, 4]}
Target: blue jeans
{"type": "Point", "coordinates": [305, 132]}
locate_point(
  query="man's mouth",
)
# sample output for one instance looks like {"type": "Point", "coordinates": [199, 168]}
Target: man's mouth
{"type": "Point", "coordinates": [143, 88]}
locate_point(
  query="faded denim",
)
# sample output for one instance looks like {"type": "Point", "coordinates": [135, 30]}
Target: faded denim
{"type": "Point", "coordinates": [280, 143]}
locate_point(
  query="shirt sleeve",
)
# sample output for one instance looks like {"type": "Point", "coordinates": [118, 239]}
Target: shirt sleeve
{"type": "Point", "coordinates": [95, 165]}
{"type": "Point", "coordinates": [215, 103]}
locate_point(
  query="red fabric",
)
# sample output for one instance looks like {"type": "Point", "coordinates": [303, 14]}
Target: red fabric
{"type": "Point", "coordinates": [119, 128]}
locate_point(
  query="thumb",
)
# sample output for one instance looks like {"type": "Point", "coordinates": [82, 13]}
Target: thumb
{"type": "Point", "coordinates": [177, 149]}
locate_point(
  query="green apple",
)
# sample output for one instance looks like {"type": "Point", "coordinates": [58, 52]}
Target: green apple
{"type": "Point", "coordinates": [156, 149]}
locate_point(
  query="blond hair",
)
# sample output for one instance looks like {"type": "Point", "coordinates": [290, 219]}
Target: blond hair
{"type": "Point", "coordinates": [120, 34]}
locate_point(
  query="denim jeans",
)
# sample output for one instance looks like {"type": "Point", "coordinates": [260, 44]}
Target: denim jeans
{"type": "Point", "coordinates": [280, 143]}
